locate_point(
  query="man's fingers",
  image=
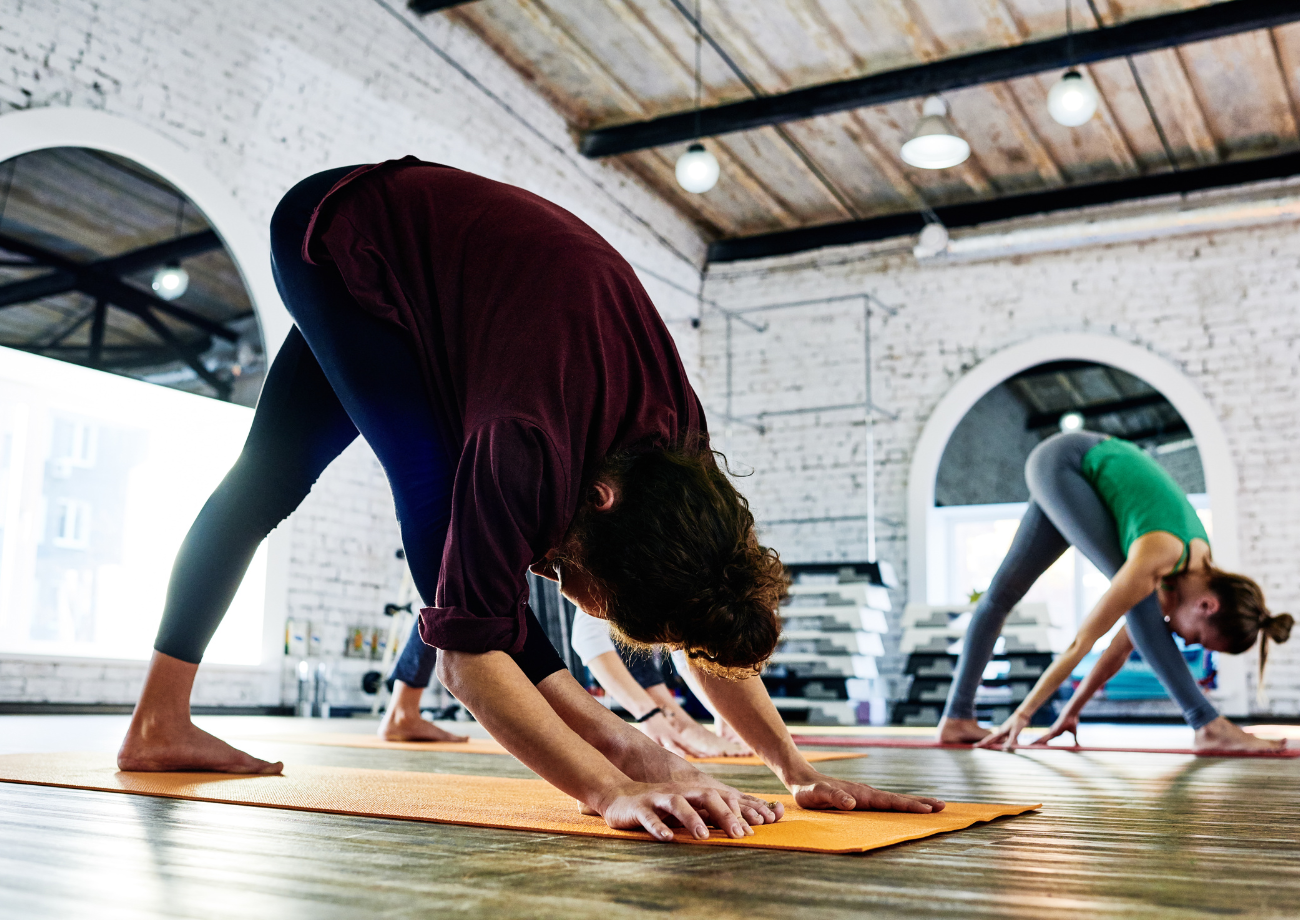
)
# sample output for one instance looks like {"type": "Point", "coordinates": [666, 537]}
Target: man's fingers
{"type": "Point", "coordinates": [768, 813]}
{"type": "Point", "coordinates": [724, 818]}
{"type": "Point", "coordinates": [650, 821]}
{"type": "Point", "coordinates": [683, 811]}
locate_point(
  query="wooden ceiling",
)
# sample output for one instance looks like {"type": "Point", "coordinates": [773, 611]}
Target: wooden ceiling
{"type": "Point", "coordinates": [608, 62]}
{"type": "Point", "coordinates": [82, 206]}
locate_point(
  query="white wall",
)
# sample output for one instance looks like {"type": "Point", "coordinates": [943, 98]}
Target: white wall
{"type": "Point", "coordinates": [1221, 307]}
{"type": "Point", "coordinates": [262, 94]}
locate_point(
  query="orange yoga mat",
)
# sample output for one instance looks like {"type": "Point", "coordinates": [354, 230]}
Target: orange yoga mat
{"type": "Point", "coordinates": [477, 801]}
{"type": "Point", "coordinates": [487, 746]}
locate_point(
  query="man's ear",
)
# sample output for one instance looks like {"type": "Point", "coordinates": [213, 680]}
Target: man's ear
{"type": "Point", "coordinates": [603, 495]}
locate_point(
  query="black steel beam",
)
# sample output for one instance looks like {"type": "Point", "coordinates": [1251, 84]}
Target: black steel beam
{"type": "Point", "coordinates": [1097, 410]}
{"type": "Point", "coordinates": [982, 212]}
{"type": "Point", "coordinates": [29, 289]}
{"type": "Point", "coordinates": [96, 356]}
{"type": "Point", "coordinates": [424, 7]}
{"type": "Point", "coordinates": [180, 247]}
{"type": "Point", "coordinates": [1142, 35]}
{"type": "Point", "coordinates": [1178, 427]}
{"type": "Point", "coordinates": [100, 278]}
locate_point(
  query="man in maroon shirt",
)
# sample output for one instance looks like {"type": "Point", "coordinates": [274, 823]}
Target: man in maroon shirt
{"type": "Point", "coordinates": [530, 411]}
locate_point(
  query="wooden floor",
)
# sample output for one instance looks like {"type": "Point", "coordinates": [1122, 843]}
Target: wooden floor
{"type": "Point", "coordinates": [1120, 835]}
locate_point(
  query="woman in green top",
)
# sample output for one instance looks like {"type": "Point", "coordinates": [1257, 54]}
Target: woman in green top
{"type": "Point", "coordinates": [1131, 520]}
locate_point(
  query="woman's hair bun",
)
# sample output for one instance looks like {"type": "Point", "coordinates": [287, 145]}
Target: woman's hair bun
{"type": "Point", "coordinates": [1277, 628]}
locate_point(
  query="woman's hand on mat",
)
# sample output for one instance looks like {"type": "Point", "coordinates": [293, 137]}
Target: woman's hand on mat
{"type": "Point", "coordinates": [655, 807]}
{"type": "Point", "coordinates": [1066, 722]}
{"type": "Point", "coordinates": [1008, 733]}
{"type": "Point", "coordinates": [820, 791]}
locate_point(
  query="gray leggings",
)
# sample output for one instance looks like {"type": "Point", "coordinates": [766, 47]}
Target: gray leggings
{"type": "Point", "coordinates": [1064, 510]}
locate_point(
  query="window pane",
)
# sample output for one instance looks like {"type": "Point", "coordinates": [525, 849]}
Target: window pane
{"type": "Point", "coordinates": [100, 479]}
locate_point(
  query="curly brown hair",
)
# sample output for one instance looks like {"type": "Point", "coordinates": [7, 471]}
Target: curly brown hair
{"type": "Point", "coordinates": [1243, 616]}
{"type": "Point", "coordinates": [677, 562]}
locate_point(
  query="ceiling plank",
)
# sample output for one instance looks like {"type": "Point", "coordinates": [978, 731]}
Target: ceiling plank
{"type": "Point", "coordinates": [1135, 37]}
{"type": "Point", "coordinates": [968, 215]}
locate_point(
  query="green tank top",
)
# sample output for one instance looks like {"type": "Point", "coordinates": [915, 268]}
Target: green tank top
{"type": "Point", "coordinates": [1141, 496]}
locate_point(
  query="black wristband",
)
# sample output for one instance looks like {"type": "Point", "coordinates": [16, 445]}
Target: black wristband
{"type": "Point", "coordinates": [650, 715]}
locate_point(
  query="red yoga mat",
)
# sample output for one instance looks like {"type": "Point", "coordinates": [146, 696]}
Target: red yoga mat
{"type": "Point", "coordinates": [834, 741]}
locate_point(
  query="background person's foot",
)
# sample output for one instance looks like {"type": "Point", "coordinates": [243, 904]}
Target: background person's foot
{"type": "Point", "coordinates": [1222, 735]}
{"type": "Point", "coordinates": [399, 725]}
{"type": "Point", "coordinates": [960, 731]}
{"type": "Point", "coordinates": [187, 749]}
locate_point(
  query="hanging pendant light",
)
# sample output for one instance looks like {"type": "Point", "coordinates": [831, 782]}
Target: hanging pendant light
{"type": "Point", "coordinates": [170, 281]}
{"type": "Point", "coordinates": [935, 144]}
{"type": "Point", "coordinates": [697, 169]}
{"type": "Point", "coordinates": [1073, 99]}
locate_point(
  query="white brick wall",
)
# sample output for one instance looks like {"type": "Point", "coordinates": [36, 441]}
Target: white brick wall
{"type": "Point", "coordinates": [263, 94]}
{"type": "Point", "coordinates": [1221, 306]}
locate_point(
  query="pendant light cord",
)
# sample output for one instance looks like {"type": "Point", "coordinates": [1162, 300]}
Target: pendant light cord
{"type": "Point", "coordinates": [1069, 34]}
{"type": "Point", "coordinates": [699, 28]}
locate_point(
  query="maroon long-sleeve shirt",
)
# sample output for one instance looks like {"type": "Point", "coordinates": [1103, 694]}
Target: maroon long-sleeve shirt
{"type": "Point", "coordinates": [542, 355]}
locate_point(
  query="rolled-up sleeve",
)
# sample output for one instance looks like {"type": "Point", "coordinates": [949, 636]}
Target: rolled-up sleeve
{"type": "Point", "coordinates": [510, 495]}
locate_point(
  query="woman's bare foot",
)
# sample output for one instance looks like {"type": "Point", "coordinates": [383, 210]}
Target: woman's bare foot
{"type": "Point", "coordinates": [960, 731]}
{"type": "Point", "coordinates": [162, 738]}
{"type": "Point", "coordinates": [403, 722]}
{"type": "Point", "coordinates": [185, 748]}
{"type": "Point", "coordinates": [1222, 735]}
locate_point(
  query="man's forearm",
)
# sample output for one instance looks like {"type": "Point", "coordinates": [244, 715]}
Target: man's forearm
{"type": "Point", "coordinates": [528, 725]}
{"type": "Point", "coordinates": [746, 706]}
{"type": "Point", "coordinates": [626, 748]}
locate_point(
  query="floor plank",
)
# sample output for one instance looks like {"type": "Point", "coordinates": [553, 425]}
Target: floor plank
{"type": "Point", "coordinates": [1140, 836]}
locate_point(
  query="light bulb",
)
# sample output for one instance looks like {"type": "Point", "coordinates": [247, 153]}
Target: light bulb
{"type": "Point", "coordinates": [1071, 421]}
{"type": "Point", "coordinates": [170, 282]}
{"type": "Point", "coordinates": [935, 144]}
{"type": "Point", "coordinates": [933, 240]}
{"type": "Point", "coordinates": [1073, 100]}
{"type": "Point", "coordinates": [697, 169]}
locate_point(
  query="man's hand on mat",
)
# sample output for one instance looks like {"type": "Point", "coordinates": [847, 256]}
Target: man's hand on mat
{"type": "Point", "coordinates": [1067, 722]}
{"type": "Point", "coordinates": [655, 806]}
{"type": "Point", "coordinates": [1008, 733]}
{"type": "Point", "coordinates": [820, 791]}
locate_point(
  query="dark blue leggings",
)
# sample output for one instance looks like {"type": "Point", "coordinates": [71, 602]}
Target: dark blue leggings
{"type": "Point", "coordinates": [345, 371]}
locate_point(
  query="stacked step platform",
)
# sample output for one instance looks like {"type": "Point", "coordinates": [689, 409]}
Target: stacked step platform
{"type": "Point", "coordinates": [825, 670]}
{"type": "Point", "coordinates": [932, 640]}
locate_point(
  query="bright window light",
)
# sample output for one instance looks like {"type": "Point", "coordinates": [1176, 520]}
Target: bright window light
{"type": "Point", "coordinates": [100, 479]}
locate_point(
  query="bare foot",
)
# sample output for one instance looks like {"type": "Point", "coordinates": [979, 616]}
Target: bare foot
{"type": "Point", "coordinates": [401, 725]}
{"type": "Point", "coordinates": [186, 748]}
{"type": "Point", "coordinates": [960, 731]}
{"type": "Point", "coordinates": [1222, 735]}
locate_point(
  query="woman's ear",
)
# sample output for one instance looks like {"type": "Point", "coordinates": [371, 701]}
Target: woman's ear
{"type": "Point", "coordinates": [1208, 604]}
{"type": "Point", "coordinates": [603, 495]}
